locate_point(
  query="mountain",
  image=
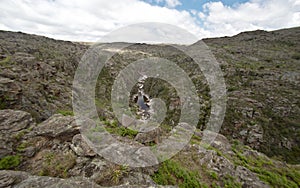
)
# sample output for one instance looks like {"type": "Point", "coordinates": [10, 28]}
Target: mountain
{"type": "Point", "coordinates": [257, 146]}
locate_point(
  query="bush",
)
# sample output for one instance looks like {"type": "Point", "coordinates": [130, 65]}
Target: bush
{"type": "Point", "coordinates": [10, 162]}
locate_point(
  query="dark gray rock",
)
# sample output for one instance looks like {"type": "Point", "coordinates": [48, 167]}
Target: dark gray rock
{"type": "Point", "coordinates": [80, 147]}
{"type": "Point", "coordinates": [14, 124]}
{"type": "Point", "coordinates": [58, 126]}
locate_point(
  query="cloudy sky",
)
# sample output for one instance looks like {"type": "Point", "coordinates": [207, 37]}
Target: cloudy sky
{"type": "Point", "coordinates": [89, 20]}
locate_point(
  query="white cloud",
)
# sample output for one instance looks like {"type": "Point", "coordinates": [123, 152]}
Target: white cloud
{"type": "Point", "coordinates": [168, 3]}
{"type": "Point", "coordinates": [79, 20]}
{"type": "Point", "coordinates": [85, 20]}
{"type": "Point", "coordinates": [151, 33]}
{"type": "Point", "coordinates": [223, 20]}
{"type": "Point", "coordinates": [172, 3]}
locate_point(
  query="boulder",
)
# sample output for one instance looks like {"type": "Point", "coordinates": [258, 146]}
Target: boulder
{"type": "Point", "coordinates": [80, 147]}
{"type": "Point", "coordinates": [58, 126]}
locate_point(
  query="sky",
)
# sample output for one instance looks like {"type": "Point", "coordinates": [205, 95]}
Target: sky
{"type": "Point", "coordinates": [80, 20]}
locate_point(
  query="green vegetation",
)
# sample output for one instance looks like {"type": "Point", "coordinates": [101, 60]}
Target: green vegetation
{"type": "Point", "coordinates": [278, 177]}
{"type": "Point", "coordinates": [113, 175]}
{"type": "Point", "coordinates": [10, 162]}
{"type": "Point", "coordinates": [172, 173]}
{"type": "Point", "coordinates": [214, 175]}
{"type": "Point", "coordinates": [230, 182]}
{"type": "Point", "coordinates": [113, 128]}
{"type": "Point", "coordinates": [118, 173]}
{"type": "Point", "coordinates": [6, 61]}
{"type": "Point", "coordinates": [266, 170]}
{"type": "Point", "coordinates": [66, 112]}
{"type": "Point", "coordinates": [20, 134]}
{"type": "Point", "coordinates": [57, 165]}
{"type": "Point", "coordinates": [22, 146]}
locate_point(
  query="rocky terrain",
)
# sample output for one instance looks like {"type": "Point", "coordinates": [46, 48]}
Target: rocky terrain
{"type": "Point", "coordinates": [42, 144]}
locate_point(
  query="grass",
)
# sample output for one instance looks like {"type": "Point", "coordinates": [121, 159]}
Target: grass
{"type": "Point", "coordinates": [266, 170]}
{"type": "Point", "coordinates": [66, 112]}
{"type": "Point", "coordinates": [230, 182]}
{"type": "Point", "coordinates": [20, 134]}
{"type": "Point", "coordinates": [172, 173]}
{"type": "Point", "coordinates": [277, 178]}
{"type": "Point", "coordinates": [57, 165]}
{"type": "Point", "coordinates": [113, 175]}
{"type": "Point", "coordinates": [113, 128]}
{"type": "Point", "coordinates": [10, 162]}
{"type": "Point", "coordinates": [22, 146]}
{"type": "Point", "coordinates": [214, 175]}
{"type": "Point", "coordinates": [118, 173]}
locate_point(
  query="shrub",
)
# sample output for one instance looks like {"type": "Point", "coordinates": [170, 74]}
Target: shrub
{"type": "Point", "coordinates": [10, 162]}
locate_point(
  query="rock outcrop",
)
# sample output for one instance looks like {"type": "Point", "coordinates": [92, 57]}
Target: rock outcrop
{"type": "Point", "coordinates": [52, 153]}
{"type": "Point", "coordinates": [41, 144]}
{"type": "Point", "coordinates": [13, 125]}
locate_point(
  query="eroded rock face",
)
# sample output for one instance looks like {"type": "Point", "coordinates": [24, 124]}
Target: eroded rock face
{"type": "Point", "coordinates": [58, 125]}
{"type": "Point", "coordinates": [13, 125]}
{"type": "Point", "coordinates": [24, 180]}
{"type": "Point", "coordinates": [220, 142]}
{"type": "Point", "coordinates": [12, 121]}
{"type": "Point", "coordinates": [80, 147]}
{"type": "Point", "coordinates": [224, 167]}
{"type": "Point", "coordinates": [54, 150]}
{"type": "Point", "coordinates": [36, 73]}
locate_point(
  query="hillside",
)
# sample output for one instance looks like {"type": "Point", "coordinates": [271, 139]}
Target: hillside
{"type": "Point", "coordinates": [258, 145]}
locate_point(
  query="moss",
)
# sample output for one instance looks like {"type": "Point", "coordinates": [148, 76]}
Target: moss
{"type": "Point", "coordinates": [66, 112]}
{"type": "Point", "coordinates": [172, 173]}
{"type": "Point", "coordinates": [10, 162]}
